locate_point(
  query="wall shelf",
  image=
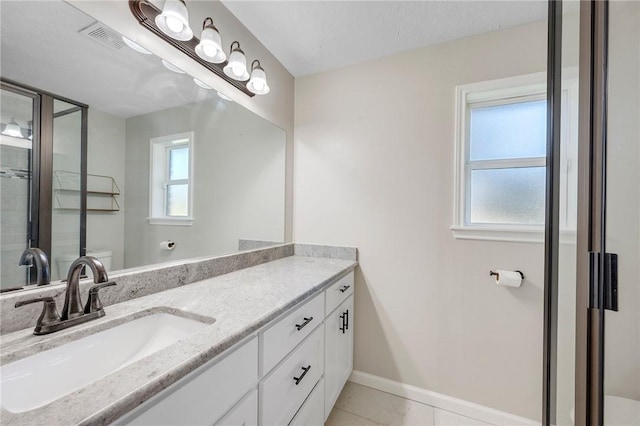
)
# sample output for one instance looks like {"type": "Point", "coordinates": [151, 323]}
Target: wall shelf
{"type": "Point", "coordinates": [101, 192]}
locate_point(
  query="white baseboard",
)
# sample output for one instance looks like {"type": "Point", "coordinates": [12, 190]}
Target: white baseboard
{"type": "Point", "coordinates": [438, 400]}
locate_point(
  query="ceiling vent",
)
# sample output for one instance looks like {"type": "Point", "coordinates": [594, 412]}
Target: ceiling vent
{"type": "Point", "coordinates": [103, 35]}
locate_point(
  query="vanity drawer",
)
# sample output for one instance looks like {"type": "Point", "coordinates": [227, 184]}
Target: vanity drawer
{"type": "Point", "coordinates": [280, 396]}
{"type": "Point", "coordinates": [245, 413]}
{"type": "Point", "coordinates": [205, 395]}
{"type": "Point", "coordinates": [312, 411]}
{"type": "Point", "coordinates": [338, 292]}
{"type": "Point", "coordinates": [280, 339]}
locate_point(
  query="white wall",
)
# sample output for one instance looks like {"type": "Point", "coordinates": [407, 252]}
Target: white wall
{"type": "Point", "coordinates": [106, 156]}
{"type": "Point", "coordinates": [239, 163]}
{"type": "Point", "coordinates": [374, 152]}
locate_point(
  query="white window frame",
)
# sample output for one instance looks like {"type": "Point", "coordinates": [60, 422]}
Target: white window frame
{"type": "Point", "coordinates": [159, 149]}
{"type": "Point", "coordinates": [500, 92]}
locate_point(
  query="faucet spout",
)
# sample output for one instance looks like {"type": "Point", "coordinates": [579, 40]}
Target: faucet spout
{"type": "Point", "coordinates": [72, 306]}
{"type": "Point", "coordinates": [39, 257]}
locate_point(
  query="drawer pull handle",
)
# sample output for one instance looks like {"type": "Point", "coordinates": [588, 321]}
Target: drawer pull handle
{"type": "Point", "coordinates": [345, 288]}
{"type": "Point", "coordinates": [304, 372]}
{"type": "Point", "coordinates": [346, 319]}
{"type": "Point", "coordinates": [306, 321]}
{"type": "Point", "coordinates": [345, 322]}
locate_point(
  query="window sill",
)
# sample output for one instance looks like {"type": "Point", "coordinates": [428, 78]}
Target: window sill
{"type": "Point", "coordinates": [182, 221]}
{"type": "Point", "coordinates": [509, 234]}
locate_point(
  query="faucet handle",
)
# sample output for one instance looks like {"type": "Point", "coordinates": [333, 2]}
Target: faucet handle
{"type": "Point", "coordinates": [49, 313]}
{"type": "Point", "coordinates": [93, 301]}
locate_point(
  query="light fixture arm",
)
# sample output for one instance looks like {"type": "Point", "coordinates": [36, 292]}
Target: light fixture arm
{"type": "Point", "coordinates": [210, 25]}
{"type": "Point", "coordinates": [237, 44]}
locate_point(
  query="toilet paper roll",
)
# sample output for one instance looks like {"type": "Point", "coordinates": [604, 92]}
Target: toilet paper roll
{"type": "Point", "coordinates": [508, 278]}
{"type": "Point", "coordinates": [167, 245]}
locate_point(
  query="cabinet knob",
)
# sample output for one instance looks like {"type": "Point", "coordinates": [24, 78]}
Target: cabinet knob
{"type": "Point", "coordinates": [306, 321]}
{"type": "Point", "coordinates": [304, 372]}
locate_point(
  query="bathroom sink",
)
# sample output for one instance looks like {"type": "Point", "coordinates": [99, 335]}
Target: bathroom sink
{"type": "Point", "coordinates": [39, 379]}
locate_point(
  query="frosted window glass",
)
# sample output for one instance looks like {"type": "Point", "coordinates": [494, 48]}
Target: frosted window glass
{"type": "Point", "coordinates": [508, 131]}
{"type": "Point", "coordinates": [179, 163]}
{"type": "Point", "coordinates": [508, 196]}
{"type": "Point", "coordinates": [177, 200]}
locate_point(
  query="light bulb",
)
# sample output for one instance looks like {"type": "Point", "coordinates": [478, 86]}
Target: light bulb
{"type": "Point", "coordinates": [174, 24]}
{"type": "Point", "coordinates": [209, 50]}
{"type": "Point", "coordinates": [237, 71]}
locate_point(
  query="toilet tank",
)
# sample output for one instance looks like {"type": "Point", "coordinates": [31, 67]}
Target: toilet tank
{"type": "Point", "coordinates": [64, 261]}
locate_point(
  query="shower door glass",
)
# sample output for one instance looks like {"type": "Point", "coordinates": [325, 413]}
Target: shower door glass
{"type": "Point", "coordinates": [16, 139]}
{"type": "Point", "coordinates": [621, 385]}
{"type": "Point", "coordinates": [566, 327]}
{"type": "Point", "coordinates": [66, 216]}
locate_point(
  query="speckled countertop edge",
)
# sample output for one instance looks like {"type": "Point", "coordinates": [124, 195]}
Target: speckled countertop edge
{"type": "Point", "coordinates": [241, 302]}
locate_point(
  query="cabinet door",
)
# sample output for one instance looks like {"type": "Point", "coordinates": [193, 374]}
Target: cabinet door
{"type": "Point", "coordinates": [203, 396]}
{"type": "Point", "coordinates": [338, 352]}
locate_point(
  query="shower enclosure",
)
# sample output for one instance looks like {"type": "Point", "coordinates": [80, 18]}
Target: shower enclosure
{"type": "Point", "coordinates": [42, 180]}
{"type": "Point", "coordinates": [592, 289]}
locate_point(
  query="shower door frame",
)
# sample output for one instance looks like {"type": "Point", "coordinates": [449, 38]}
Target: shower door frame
{"type": "Point", "coordinates": [592, 128]}
{"type": "Point", "coordinates": [41, 197]}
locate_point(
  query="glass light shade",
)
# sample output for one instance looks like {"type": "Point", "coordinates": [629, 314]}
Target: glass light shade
{"type": "Point", "coordinates": [174, 20]}
{"type": "Point", "coordinates": [225, 97]}
{"type": "Point", "coordinates": [258, 83]}
{"type": "Point", "coordinates": [13, 129]}
{"type": "Point", "coordinates": [202, 84]}
{"type": "Point", "coordinates": [135, 46]}
{"type": "Point", "coordinates": [236, 68]}
{"type": "Point", "coordinates": [171, 67]}
{"type": "Point", "coordinates": [210, 46]}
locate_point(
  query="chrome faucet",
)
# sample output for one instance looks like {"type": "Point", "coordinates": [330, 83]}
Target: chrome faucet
{"type": "Point", "coordinates": [72, 312]}
{"type": "Point", "coordinates": [39, 257]}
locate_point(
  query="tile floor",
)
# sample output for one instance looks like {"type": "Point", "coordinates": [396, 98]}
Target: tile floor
{"type": "Point", "coordinates": [362, 406]}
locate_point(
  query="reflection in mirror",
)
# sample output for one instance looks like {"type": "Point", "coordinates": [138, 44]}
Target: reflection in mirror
{"type": "Point", "coordinates": [173, 171]}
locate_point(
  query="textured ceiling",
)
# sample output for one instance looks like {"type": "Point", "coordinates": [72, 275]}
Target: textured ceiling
{"type": "Point", "coordinates": [313, 36]}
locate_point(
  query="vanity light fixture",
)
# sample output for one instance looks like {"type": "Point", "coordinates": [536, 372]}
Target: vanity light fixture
{"type": "Point", "coordinates": [258, 83]}
{"type": "Point", "coordinates": [210, 46]}
{"type": "Point", "coordinates": [168, 65]}
{"type": "Point", "coordinates": [13, 129]}
{"type": "Point", "coordinates": [236, 68]}
{"type": "Point", "coordinates": [135, 46]}
{"type": "Point", "coordinates": [201, 83]}
{"type": "Point", "coordinates": [174, 20]}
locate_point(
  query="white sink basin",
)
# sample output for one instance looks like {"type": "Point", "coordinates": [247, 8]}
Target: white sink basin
{"type": "Point", "coordinates": [37, 380]}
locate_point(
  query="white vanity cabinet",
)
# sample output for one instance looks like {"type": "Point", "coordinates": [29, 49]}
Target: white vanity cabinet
{"type": "Point", "coordinates": [338, 332]}
{"type": "Point", "coordinates": [290, 373]}
{"type": "Point", "coordinates": [206, 394]}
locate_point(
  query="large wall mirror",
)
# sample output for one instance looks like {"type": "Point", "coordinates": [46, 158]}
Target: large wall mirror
{"type": "Point", "coordinates": [110, 151]}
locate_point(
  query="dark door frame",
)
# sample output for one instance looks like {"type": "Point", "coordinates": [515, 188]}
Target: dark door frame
{"type": "Point", "coordinates": [589, 349]}
{"type": "Point", "coordinates": [41, 207]}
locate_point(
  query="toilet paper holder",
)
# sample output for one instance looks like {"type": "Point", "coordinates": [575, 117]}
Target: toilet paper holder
{"type": "Point", "coordinates": [495, 274]}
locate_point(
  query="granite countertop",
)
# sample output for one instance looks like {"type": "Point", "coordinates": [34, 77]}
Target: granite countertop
{"type": "Point", "coordinates": [240, 302]}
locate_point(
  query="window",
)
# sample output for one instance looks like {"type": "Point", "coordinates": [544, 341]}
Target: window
{"type": "Point", "coordinates": [501, 159]}
{"type": "Point", "coordinates": [171, 180]}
